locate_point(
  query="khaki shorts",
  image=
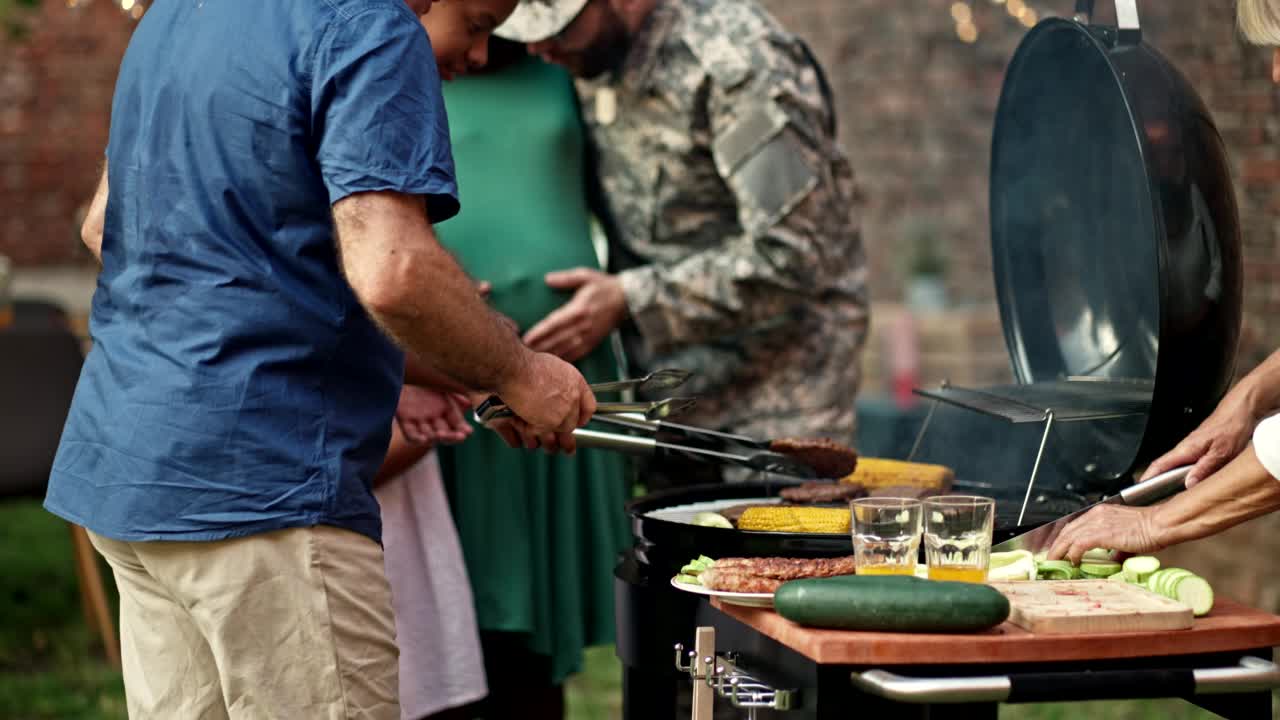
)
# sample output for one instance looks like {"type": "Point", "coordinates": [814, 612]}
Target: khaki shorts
{"type": "Point", "coordinates": [294, 623]}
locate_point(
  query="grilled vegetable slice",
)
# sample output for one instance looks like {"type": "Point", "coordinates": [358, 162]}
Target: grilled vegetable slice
{"type": "Point", "coordinates": [891, 604]}
{"type": "Point", "coordinates": [711, 519]}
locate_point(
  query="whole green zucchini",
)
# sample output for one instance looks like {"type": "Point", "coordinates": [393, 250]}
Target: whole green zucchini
{"type": "Point", "coordinates": [891, 604]}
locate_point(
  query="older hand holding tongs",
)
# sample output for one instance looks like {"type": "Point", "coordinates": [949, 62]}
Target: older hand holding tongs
{"type": "Point", "coordinates": [493, 408]}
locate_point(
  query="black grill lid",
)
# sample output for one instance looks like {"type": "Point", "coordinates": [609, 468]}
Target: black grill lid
{"type": "Point", "coordinates": [1115, 244]}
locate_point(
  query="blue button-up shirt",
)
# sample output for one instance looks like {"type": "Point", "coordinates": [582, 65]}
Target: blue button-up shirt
{"type": "Point", "coordinates": [235, 385]}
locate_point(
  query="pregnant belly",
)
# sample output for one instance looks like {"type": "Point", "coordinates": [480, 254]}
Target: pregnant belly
{"type": "Point", "coordinates": [526, 299]}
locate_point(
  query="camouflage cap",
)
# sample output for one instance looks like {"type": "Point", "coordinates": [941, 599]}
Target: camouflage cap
{"type": "Point", "coordinates": [537, 20]}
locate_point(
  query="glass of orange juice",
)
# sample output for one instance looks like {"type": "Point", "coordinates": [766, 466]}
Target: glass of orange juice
{"type": "Point", "coordinates": [957, 536]}
{"type": "Point", "coordinates": [886, 535]}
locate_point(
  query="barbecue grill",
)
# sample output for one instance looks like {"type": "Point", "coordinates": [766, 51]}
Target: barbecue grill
{"type": "Point", "coordinates": [1116, 251]}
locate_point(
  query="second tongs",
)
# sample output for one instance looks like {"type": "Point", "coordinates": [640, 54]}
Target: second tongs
{"type": "Point", "coordinates": [494, 408]}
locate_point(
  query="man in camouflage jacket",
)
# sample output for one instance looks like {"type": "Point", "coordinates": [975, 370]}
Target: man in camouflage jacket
{"type": "Point", "coordinates": [733, 249]}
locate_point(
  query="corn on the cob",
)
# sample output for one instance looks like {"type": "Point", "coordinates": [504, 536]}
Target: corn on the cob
{"type": "Point", "coordinates": [795, 519]}
{"type": "Point", "coordinates": [882, 472]}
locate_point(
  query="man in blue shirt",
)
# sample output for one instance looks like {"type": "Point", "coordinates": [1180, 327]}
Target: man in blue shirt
{"type": "Point", "coordinates": [264, 232]}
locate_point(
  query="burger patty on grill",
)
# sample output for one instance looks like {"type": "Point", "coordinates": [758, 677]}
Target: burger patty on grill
{"type": "Point", "coordinates": [828, 458]}
{"type": "Point", "coordinates": [818, 491]}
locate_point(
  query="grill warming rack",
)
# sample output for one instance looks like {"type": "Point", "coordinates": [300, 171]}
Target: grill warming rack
{"type": "Point", "coordinates": [1078, 398]}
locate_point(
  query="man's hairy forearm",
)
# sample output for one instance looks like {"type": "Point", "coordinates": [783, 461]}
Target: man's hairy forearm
{"type": "Point", "coordinates": [95, 219]}
{"type": "Point", "coordinates": [417, 372]}
{"type": "Point", "coordinates": [419, 294]}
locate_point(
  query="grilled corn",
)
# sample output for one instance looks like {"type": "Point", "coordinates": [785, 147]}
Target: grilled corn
{"type": "Point", "coordinates": [882, 472]}
{"type": "Point", "coordinates": [795, 519]}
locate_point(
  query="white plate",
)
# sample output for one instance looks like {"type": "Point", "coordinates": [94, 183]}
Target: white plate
{"type": "Point", "coordinates": [764, 600]}
{"type": "Point", "coordinates": [685, 513]}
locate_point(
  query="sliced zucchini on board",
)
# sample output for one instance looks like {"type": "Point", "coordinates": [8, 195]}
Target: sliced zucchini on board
{"type": "Point", "coordinates": [1012, 565]}
{"type": "Point", "coordinates": [1195, 592]}
{"type": "Point", "coordinates": [1099, 568]}
{"type": "Point", "coordinates": [1184, 586]}
{"type": "Point", "coordinates": [1140, 567]}
{"type": "Point", "coordinates": [1098, 555]}
{"type": "Point", "coordinates": [1054, 570]}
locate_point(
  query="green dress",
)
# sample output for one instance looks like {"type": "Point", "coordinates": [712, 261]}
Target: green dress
{"type": "Point", "coordinates": [540, 534]}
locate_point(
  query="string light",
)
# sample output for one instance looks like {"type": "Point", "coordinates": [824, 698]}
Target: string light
{"type": "Point", "coordinates": [965, 14]}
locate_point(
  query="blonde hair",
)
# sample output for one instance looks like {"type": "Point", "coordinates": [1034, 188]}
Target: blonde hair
{"type": "Point", "coordinates": [1259, 21]}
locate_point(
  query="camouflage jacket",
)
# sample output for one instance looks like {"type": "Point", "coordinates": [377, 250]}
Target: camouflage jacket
{"type": "Point", "coordinates": [730, 208]}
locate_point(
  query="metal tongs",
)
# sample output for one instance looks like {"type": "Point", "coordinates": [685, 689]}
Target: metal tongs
{"type": "Point", "coordinates": [493, 407]}
{"type": "Point", "coordinates": [649, 417]}
{"type": "Point", "coordinates": [763, 461]}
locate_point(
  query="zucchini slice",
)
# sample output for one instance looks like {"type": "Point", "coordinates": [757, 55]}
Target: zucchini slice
{"type": "Point", "coordinates": [1140, 567]}
{"type": "Point", "coordinates": [1194, 592]}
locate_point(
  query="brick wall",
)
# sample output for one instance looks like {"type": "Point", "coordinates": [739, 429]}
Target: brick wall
{"type": "Point", "coordinates": [55, 102]}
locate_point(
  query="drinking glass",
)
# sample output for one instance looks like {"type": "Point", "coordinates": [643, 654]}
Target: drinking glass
{"type": "Point", "coordinates": [886, 535]}
{"type": "Point", "coordinates": [6, 277]}
{"type": "Point", "coordinates": [957, 536]}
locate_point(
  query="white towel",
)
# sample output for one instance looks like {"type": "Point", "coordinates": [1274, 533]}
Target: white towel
{"type": "Point", "coordinates": [441, 665]}
{"type": "Point", "coordinates": [1266, 444]}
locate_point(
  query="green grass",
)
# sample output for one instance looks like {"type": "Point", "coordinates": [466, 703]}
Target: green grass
{"type": "Point", "coordinates": [596, 692]}
{"type": "Point", "coordinates": [51, 669]}
{"type": "Point", "coordinates": [50, 665]}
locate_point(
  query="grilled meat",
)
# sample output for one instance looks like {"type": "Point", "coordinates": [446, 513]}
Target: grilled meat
{"type": "Point", "coordinates": [737, 581]}
{"type": "Point", "coordinates": [766, 574]}
{"type": "Point", "coordinates": [819, 491]}
{"type": "Point", "coordinates": [907, 491]}
{"type": "Point", "coordinates": [828, 458]}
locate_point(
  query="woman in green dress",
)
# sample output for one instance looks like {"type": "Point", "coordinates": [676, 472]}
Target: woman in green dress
{"type": "Point", "coordinates": [540, 534]}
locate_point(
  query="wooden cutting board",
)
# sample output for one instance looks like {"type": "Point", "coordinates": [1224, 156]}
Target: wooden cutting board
{"type": "Point", "coordinates": [1231, 627]}
{"type": "Point", "coordinates": [1091, 606]}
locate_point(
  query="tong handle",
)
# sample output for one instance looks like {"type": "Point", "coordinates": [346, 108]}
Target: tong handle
{"type": "Point", "coordinates": [764, 462]}
{"type": "Point", "coordinates": [675, 431]}
{"type": "Point", "coordinates": [493, 408]}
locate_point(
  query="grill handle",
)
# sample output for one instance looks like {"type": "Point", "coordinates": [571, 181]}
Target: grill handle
{"type": "Point", "coordinates": [1252, 674]}
{"type": "Point", "coordinates": [1152, 491]}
